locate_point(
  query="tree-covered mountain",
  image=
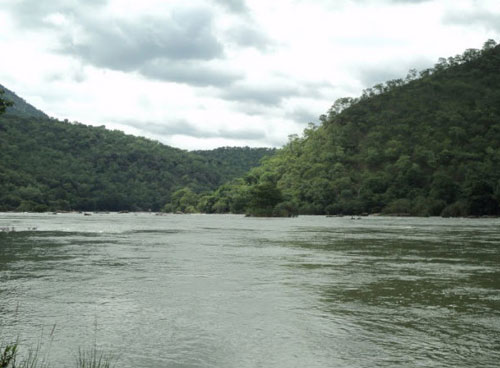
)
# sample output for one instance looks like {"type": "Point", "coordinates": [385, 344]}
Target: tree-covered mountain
{"type": "Point", "coordinates": [46, 164]}
{"type": "Point", "coordinates": [19, 106]}
{"type": "Point", "coordinates": [233, 162]}
{"type": "Point", "coordinates": [4, 103]}
{"type": "Point", "coordinates": [428, 144]}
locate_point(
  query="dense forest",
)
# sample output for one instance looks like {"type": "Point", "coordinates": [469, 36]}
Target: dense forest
{"type": "Point", "coordinates": [46, 164]}
{"type": "Point", "coordinates": [18, 106]}
{"type": "Point", "coordinates": [428, 144]}
{"type": "Point", "coordinates": [234, 162]}
{"type": "Point", "coordinates": [424, 145]}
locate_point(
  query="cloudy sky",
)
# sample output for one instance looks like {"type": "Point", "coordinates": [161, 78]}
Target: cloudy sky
{"type": "Point", "coordinates": [206, 73]}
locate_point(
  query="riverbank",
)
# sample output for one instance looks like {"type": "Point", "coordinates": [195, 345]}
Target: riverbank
{"type": "Point", "coordinates": [90, 213]}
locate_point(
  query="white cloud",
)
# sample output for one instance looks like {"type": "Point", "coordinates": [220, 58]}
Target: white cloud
{"type": "Point", "coordinates": [206, 73]}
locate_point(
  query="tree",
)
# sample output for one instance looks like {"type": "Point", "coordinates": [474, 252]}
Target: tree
{"type": "Point", "coordinates": [263, 198]}
{"type": "Point", "coordinates": [490, 44]}
{"type": "Point", "coordinates": [3, 102]}
{"type": "Point", "coordinates": [425, 145]}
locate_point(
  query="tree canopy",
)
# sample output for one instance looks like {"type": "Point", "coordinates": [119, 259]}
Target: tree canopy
{"type": "Point", "coordinates": [47, 164]}
{"type": "Point", "coordinates": [4, 103]}
{"type": "Point", "coordinates": [428, 144]}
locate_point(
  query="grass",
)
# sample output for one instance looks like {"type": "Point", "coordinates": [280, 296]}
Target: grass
{"type": "Point", "coordinates": [8, 357]}
{"type": "Point", "coordinates": [94, 358]}
{"type": "Point", "coordinates": [89, 358]}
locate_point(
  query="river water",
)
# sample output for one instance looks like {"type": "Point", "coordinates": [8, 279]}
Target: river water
{"type": "Point", "coordinates": [229, 291]}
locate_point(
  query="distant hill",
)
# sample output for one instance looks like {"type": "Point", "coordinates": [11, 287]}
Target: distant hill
{"type": "Point", "coordinates": [233, 162]}
{"type": "Point", "coordinates": [47, 164]}
{"type": "Point", "coordinates": [428, 144]}
{"type": "Point", "coordinates": [20, 107]}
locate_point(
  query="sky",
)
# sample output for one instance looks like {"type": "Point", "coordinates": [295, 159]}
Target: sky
{"type": "Point", "coordinates": [202, 74]}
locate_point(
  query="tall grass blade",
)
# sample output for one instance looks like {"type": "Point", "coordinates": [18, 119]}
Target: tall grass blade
{"type": "Point", "coordinates": [94, 358]}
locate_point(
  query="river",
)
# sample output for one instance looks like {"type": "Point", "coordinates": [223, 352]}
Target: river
{"type": "Point", "coordinates": [229, 291]}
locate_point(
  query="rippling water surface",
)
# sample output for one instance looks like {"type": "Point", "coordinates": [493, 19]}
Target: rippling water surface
{"type": "Point", "coordinates": [228, 291]}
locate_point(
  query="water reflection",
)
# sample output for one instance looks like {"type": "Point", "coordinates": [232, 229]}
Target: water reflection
{"type": "Point", "coordinates": [414, 297]}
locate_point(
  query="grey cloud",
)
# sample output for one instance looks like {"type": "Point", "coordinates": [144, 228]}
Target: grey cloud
{"type": "Point", "coordinates": [77, 76]}
{"type": "Point", "coordinates": [125, 45]}
{"type": "Point", "coordinates": [259, 95]}
{"type": "Point", "coordinates": [302, 116]}
{"type": "Point", "coordinates": [196, 74]}
{"type": "Point", "coordinates": [182, 127]}
{"type": "Point", "coordinates": [247, 36]}
{"type": "Point", "coordinates": [272, 95]}
{"type": "Point", "coordinates": [245, 134]}
{"type": "Point", "coordinates": [343, 3]}
{"type": "Point", "coordinates": [121, 44]}
{"type": "Point", "coordinates": [31, 13]}
{"type": "Point", "coordinates": [235, 6]}
{"type": "Point", "coordinates": [172, 47]}
{"type": "Point", "coordinates": [371, 76]}
{"type": "Point", "coordinates": [395, 1]}
{"type": "Point", "coordinates": [410, 1]}
{"type": "Point", "coordinates": [488, 20]}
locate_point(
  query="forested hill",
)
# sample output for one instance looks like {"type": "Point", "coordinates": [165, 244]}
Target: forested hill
{"type": "Point", "coordinates": [428, 144]}
{"type": "Point", "coordinates": [233, 162]}
{"type": "Point", "coordinates": [46, 164]}
{"type": "Point", "coordinates": [19, 106]}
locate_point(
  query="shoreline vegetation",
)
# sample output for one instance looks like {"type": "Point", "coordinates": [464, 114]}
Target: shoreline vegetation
{"type": "Point", "coordinates": [12, 356]}
{"type": "Point", "coordinates": [424, 145]}
{"type": "Point", "coordinates": [179, 213]}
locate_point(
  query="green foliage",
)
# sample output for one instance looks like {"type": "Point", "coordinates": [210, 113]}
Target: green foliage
{"type": "Point", "coordinates": [183, 200]}
{"type": "Point", "coordinates": [401, 206]}
{"type": "Point", "coordinates": [4, 103]}
{"type": "Point", "coordinates": [8, 355]}
{"type": "Point", "coordinates": [285, 209]}
{"type": "Point", "coordinates": [48, 165]}
{"type": "Point", "coordinates": [233, 162]}
{"type": "Point", "coordinates": [457, 209]}
{"type": "Point", "coordinates": [425, 145]}
{"type": "Point", "coordinates": [93, 358]}
{"type": "Point", "coordinates": [13, 104]}
{"type": "Point", "coordinates": [263, 198]}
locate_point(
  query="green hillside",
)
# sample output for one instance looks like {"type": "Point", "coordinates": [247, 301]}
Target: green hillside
{"type": "Point", "coordinates": [19, 106]}
{"type": "Point", "coordinates": [46, 164]}
{"type": "Point", "coordinates": [233, 162]}
{"type": "Point", "coordinates": [424, 145]}
{"type": "Point", "coordinates": [428, 144]}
